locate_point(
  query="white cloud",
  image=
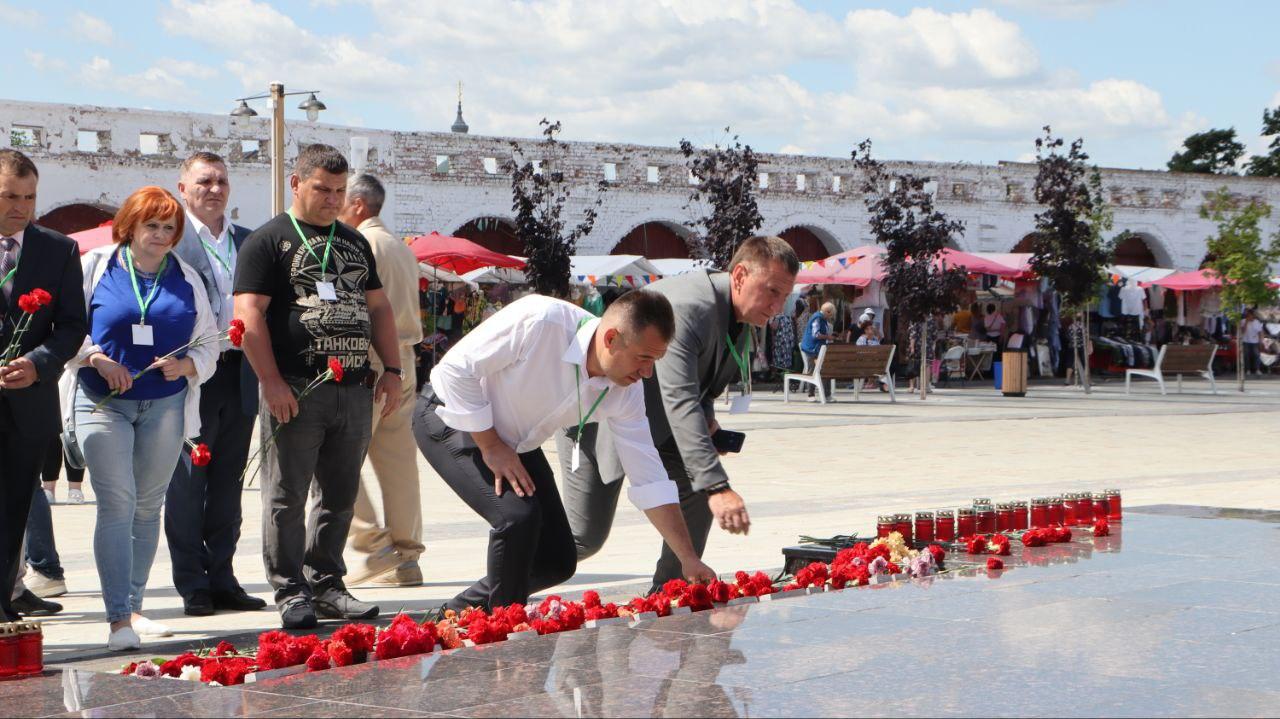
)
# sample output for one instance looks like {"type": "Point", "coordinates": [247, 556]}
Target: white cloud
{"type": "Point", "coordinates": [18, 17]}
{"type": "Point", "coordinates": [93, 29]}
{"type": "Point", "coordinates": [42, 63]}
{"type": "Point", "coordinates": [653, 71]}
{"type": "Point", "coordinates": [156, 82]}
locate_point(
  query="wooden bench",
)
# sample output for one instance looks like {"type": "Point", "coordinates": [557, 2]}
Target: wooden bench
{"type": "Point", "coordinates": [1178, 360]}
{"type": "Point", "coordinates": [845, 362]}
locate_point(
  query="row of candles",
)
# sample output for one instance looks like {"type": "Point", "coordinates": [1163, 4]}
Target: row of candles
{"type": "Point", "coordinates": [1073, 509]}
{"type": "Point", "coordinates": [21, 649]}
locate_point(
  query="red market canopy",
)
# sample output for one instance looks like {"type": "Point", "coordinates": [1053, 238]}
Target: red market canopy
{"type": "Point", "coordinates": [458, 255]}
{"type": "Point", "coordinates": [93, 238]}
{"type": "Point", "coordinates": [863, 265]}
{"type": "Point", "coordinates": [1188, 281]}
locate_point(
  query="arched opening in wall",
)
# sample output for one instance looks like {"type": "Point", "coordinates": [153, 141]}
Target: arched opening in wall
{"type": "Point", "coordinates": [493, 233]}
{"type": "Point", "coordinates": [654, 240]}
{"type": "Point", "coordinates": [76, 217]}
{"type": "Point", "coordinates": [1139, 250]}
{"type": "Point", "coordinates": [808, 244]}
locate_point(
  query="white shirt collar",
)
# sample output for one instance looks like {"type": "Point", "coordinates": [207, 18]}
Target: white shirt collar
{"type": "Point", "coordinates": [203, 229]}
{"type": "Point", "coordinates": [18, 237]}
{"type": "Point", "coordinates": [576, 352]}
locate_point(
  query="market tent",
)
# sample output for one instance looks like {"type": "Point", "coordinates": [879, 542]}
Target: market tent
{"type": "Point", "coordinates": [93, 238]}
{"type": "Point", "coordinates": [670, 266]}
{"type": "Point", "coordinates": [1139, 274]}
{"type": "Point", "coordinates": [458, 255]}
{"type": "Point", "coordinates": [612, 270]}
{"type": "Point", "coordinates": [494, 275]}
{"type": "Point", "coordinates": [1020, 261]}
{"type": "Point", "coordinates": [1188, 281]}
{"type": "Point", "coordinates": [435, 274]}
{"type": "Point", "coordinates": [863, 265]}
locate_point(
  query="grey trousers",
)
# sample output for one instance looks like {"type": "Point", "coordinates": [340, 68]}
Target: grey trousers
{"type": "Point", "coordinates": [591, 503]}
{"type": "Point", "coordinates": [327, 440]}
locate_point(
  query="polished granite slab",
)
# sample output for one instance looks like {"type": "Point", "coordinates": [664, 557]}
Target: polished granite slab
{"type": "Point", "coordinates": [1177, 613]}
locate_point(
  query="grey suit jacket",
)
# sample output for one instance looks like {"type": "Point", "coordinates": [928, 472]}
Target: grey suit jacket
{"type": "Point", "coordinates": [192, 251]}
{"type": "Point", "coordinates": [680, 396]}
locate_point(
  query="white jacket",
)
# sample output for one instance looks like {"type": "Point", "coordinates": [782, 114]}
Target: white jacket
{"type": "Point", "coordinates": [205, 357]}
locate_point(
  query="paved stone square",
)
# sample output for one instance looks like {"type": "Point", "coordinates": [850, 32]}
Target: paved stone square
{"type": "Point", "coordinates": [806, 468]}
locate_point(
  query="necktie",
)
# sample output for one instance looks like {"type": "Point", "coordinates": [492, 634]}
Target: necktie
{"type": "Point", "coordinates": [8, 260]}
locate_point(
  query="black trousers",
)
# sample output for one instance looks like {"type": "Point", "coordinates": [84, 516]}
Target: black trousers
{"type": "Point", "coordinates": [202, 508]}
{"type": "Point", "coordinates": [530, 544]}
{"type": "Point", "coordinates": [20, 460]}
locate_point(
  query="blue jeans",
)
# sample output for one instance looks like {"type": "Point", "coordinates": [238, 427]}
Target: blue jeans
{"type": "Point", "coordinates": [42, 552]}
{"type": "Point", "coordinates": [130, 448]}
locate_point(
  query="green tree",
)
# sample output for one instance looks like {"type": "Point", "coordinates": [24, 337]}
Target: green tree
{"type": "Point", "coordinates": [726, 180]}
{"type": "Point", "coordinates": [1267, 165]}
{"type": "Point", "coordinates": [539, 192]}
{"type": "Point", "coordinates": [1068, 247]}
{"type": "Point", "coordinates": [1241, 259]}
{"type": "Point", "coordinates": [1210, 152]}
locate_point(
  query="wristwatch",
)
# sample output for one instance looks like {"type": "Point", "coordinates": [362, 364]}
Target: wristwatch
{"type": "Point", "coordinates": [395, 371]}
{"type": "Point", "coordinates": [716, 488]}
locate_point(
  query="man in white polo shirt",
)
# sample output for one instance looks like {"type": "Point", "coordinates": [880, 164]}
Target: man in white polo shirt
{"type": "Point", "coordinates": [535, 367]}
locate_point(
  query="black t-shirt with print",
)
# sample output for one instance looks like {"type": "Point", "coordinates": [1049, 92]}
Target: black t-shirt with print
{"type": "Point", "coordinates": [305, 330]}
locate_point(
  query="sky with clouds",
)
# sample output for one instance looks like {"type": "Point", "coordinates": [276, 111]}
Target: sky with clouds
{"type": "Point", "coordinates": [943, 80]}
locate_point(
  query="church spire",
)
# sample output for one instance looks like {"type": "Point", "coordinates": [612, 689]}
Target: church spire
{"type": "Point", "coordinates": [459, 125]}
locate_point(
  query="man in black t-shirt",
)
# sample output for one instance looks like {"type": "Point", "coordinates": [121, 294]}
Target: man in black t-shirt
{"type": "Point", "coordinates": [307, 289]}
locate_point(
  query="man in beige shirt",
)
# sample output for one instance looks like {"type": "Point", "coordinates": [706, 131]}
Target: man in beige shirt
{"type": "Point", "coordinates": [392, 547]}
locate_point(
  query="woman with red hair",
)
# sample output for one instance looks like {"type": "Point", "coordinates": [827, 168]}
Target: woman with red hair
{"type": "Point", "coordinates": [144, 302]}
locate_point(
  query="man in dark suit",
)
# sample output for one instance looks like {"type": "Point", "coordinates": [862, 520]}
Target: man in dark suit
{"type": "Point", "coordinates": [202, 508]}
{"type": "Point", "coordinates": [710, 350]}
{"type": "Point", "coordinates": [31, 258]}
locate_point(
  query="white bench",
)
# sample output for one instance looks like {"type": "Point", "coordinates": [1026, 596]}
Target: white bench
{"type": "Point", "coordinates": [1178, 360]}
{"type": "Point", "coordinates": [845, 362]}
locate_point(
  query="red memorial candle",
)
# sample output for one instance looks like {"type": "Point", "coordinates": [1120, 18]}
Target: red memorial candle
{"type": "Point", "coordinates": [8, 651]}
{"type": "Point", "coordinates": [902, 525]}
{"type": "Point", "coordinates": [1020, 515]}
{"type": "Point", "coordinates": [1004, 517]}
{"type": "Point", "coordinates": [30, 649]}
{"type": "Point", "coordinates": [1056, 512]}
{"type": "Point", "coordinates": [966, 522]}
{"type": "Point", "coordinates": [884, 525]}
{"type": "Point", "coordinates": [986, 516]}
{"type": "Point", "coordinates": [924, 526]}
{"type": "Point", "coordinates": [1114, 513]}
{"type": "Point", "coordinates": [1084, 509]}
{"type": "Point", "coordinates": [1101, 506]}
{"type": "Point", "coordinates": [1040, 512]}
{"type": "Point", "coordinates": [945, 526]}
{"type": "Point", "coordinates": [1069, 509]}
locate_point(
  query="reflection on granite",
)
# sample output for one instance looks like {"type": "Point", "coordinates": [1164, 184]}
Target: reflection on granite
{"type": "Point", "coordinates": [1178, 613]}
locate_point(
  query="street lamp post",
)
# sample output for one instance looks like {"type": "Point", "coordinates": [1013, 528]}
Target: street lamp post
{"type": "Point", "coordinates": [276, 94]}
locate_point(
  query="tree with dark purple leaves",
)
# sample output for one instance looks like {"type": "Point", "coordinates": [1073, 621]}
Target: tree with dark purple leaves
{"type": "Point", "coordinates": [539, 192]}
{"type": "Point", "coordinates": [915, 234]}
{"type": "Point", "coordinates": [724, 194]}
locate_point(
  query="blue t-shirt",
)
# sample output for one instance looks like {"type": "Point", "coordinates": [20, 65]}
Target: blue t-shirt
{"type": "Point", "coordinates": [817, 325]}
{"type": "Point", "coordinates": [113, 312]}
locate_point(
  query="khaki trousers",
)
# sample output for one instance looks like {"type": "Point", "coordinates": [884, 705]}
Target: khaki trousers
{"type": "Point", "coordinates": [393, 456]}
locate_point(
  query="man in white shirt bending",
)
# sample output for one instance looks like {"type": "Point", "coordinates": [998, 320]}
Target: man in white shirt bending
{"type": "Point", "coordinates": [535, 367]}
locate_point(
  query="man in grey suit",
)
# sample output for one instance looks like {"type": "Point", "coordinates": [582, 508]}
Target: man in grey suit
{"type": "Point", "coordinates": [202, 508]}
{"type": "Point", "coordinates": [711, 348]}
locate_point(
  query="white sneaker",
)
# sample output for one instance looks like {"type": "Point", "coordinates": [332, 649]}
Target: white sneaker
{"type": "Point", "coordinates": [123, 640]}
{"type": "Point", "coordinates": [147, 628]}
{"type": "Point", "coordinates": [75, 496]}
{"type": "Point", "coordinates": [45, 587]}
{"type": "Point", "coordinates": [48, 494]}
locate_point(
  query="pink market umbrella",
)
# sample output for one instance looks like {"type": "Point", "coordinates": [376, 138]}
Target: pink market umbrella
{"type": "Point", "coordinates": [93, 238]}
{"type": "Point", "coordinates": [863, 265]}
{"type": "Point", "coordinates": [1188, 281]}
{"type": "Point", "coordinates": [458, 255]}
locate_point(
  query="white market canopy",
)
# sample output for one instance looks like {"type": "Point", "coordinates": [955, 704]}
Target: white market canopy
{"type": "Point", "coordinates": [613, 270]}
{"type": "Point", "coordinates": [435, 274]}
{"type": "Point", "coordinates": [680, 265]}
{"type": "Point", "coordinates": [495, 275]}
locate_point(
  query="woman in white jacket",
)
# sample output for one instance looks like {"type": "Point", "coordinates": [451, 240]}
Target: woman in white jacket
{"type": "Point", "coordinates": [144, 302]}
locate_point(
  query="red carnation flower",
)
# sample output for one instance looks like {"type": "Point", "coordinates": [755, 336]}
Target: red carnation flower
{"type": "Point", "coordinates": [1034, 538]}
{"type": "Point", "coordinates": [224, 649]}
{"type": "Point", "coordinates": [318, 661]}
{"type": "Point", "coordinates": [341, 654]}
{"type": "Point", "coordinates": [236, 335]}
{"type": "Point", "coordinates": [591, 598]}
{"type": "Point", "coordinates": [999, 545]}
{"type": "Point", "coordinates": [938, 553]}
{"type": "Point", "coordinates": [977, 544]}
{"type": "Point", "coordinates": [28, 303]}
{"type": "Point", "coordinates": [721, 592]}
{"type": "Point", "coordinates": [336, 368]}
{"type": "Point", "coordinates": [272, 656]}
{"type": "Point", "coordinates": [1101, 528]}
{"type": "Point", "coordinates": [42, 298]}
{"type": "Point", "coordinates": [200, 455]}
{"type": "Point", "coordinates": [994, 563]}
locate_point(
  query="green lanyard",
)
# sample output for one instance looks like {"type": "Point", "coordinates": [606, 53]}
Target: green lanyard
{"type": "Point", "coordinates": [328, 244]}
{"type": "Point", "coordinates": [12, 272]}
{"type": "Point", "coordinates": [226, 261]}
{"type": "Point", "coordinates": [577, 383]}
{"type": "Point", "coordinates": [741, 358]}
{"type": "Point", "coordinates": [143, 305]}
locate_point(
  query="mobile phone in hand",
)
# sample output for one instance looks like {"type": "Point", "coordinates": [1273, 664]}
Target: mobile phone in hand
{"type": "Point", "coordinates": [726, 440]}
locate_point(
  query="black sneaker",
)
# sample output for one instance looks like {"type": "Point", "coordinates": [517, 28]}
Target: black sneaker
{"type": "Point", "coordinates": [297, 613]}
{"type": "Point", "coordinates": [28, 603]}
{"type": "Point", "coordinates": [337, 603]}
{"type": "Point", "coordinates": [237, 600]}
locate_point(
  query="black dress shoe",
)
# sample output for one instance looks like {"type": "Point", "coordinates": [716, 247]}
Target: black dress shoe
{"type": "Point", "coordinates": [28, 603]}
{"type": "Point", "coordinates": [199, 604]}
{"type": "Point", "coordinates": [237, 600]}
